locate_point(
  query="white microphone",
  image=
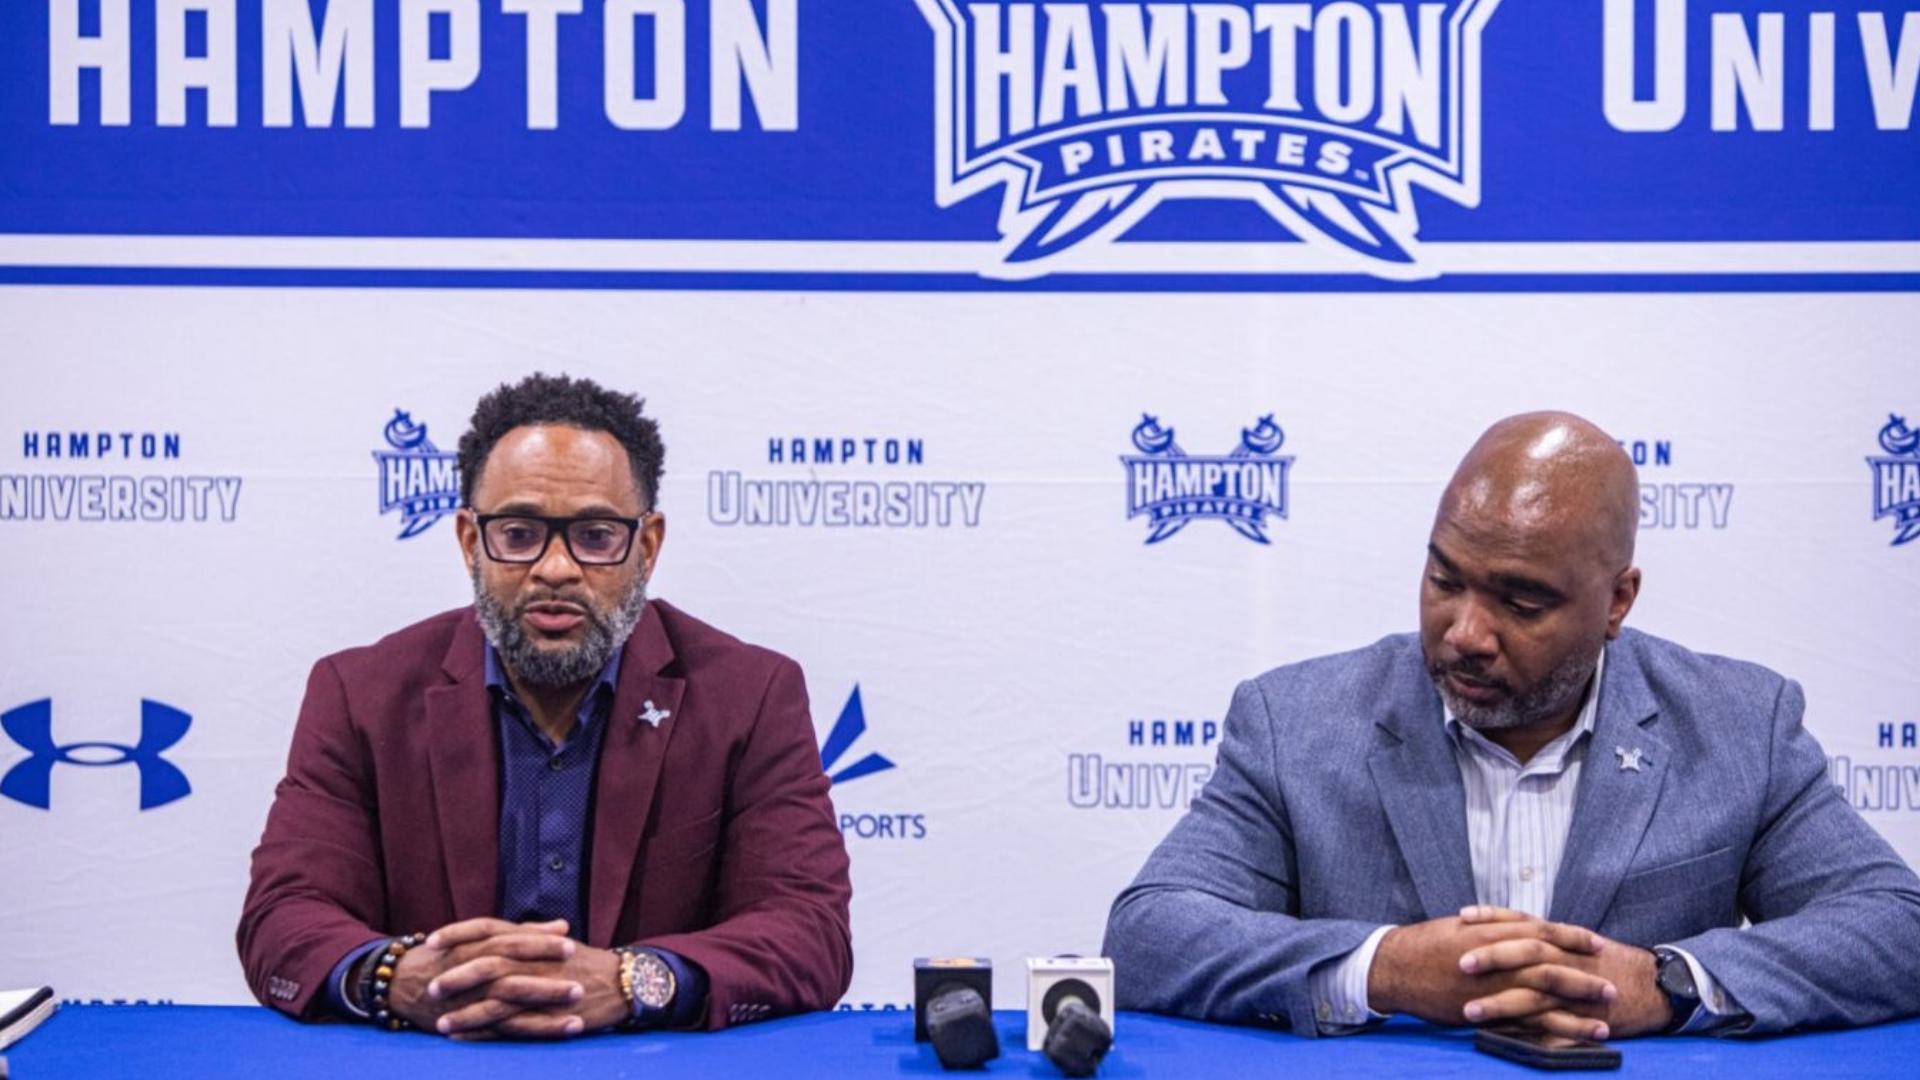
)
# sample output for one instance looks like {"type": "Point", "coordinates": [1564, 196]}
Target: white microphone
{"type": "Point", "coordinates": [1070, 1010]}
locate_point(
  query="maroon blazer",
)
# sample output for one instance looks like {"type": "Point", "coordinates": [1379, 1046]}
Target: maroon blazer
{"type": "Point", "coordinates": [712, 832]}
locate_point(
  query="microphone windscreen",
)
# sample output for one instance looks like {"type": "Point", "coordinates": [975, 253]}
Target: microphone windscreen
{"type": "Point", "coordinates": [1077, 1039]}
{"type": "Point", "coordinates": [961, 1029]}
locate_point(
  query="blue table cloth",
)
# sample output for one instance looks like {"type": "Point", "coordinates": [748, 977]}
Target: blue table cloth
{"type": "Point", "coordinates": [164, 1042]}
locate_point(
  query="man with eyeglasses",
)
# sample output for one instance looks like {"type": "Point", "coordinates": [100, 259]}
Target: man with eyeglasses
{"type": "Point", "coordinates": [567, 807]}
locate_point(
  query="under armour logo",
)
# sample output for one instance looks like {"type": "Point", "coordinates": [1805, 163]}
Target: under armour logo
{"type": "Point", "coordinates": [31, 781]}
{"type": "Point", "coordinates": [652, 715]}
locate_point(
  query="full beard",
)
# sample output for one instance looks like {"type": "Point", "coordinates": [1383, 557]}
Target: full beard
{"type": "Point", "coordinates": [547, 665]}
{"type": "Point", "coordinates": [1558, 690]}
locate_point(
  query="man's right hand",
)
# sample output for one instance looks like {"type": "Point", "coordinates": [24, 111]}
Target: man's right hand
{"type": "Point", "coordinates": [516, 963]}
{"type": "Point", "coordinates": [1417, 970]}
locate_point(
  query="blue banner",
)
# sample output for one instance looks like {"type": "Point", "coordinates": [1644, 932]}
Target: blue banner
{"type": "Point", "coordinates": [1364, 130]}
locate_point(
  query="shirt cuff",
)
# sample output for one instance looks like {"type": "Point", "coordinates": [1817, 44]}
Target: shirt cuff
{"type": "Point", "coordinates": [1339, 989]}
{"type": "Point", "coordinates": [690, 988]}
{"type": "Point", "coordinates": [1716, 1010]}
{"type": "Point", "coordinates": [337, 995]}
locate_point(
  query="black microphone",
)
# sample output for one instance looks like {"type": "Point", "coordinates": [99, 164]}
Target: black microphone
{"type": "Point", "coordinates": [1077, 1038]}
{"type": "Point", "coordinates": [961, 1028]}
{"type": "Point", "coordinates": [953, 1009]}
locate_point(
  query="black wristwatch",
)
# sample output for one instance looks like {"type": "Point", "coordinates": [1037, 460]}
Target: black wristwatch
{"type": "Point", "coordinates": [1675, 979]}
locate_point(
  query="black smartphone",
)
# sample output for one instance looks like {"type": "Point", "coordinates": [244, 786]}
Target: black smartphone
{"type": "Point", "coordinates": [1543, 1051]}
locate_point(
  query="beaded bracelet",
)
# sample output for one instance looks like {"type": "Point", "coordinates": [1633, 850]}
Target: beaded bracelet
{"type": "Point", "coordinates": [628, 955]}
{"type": "Point", "coordinates": [378, 980]}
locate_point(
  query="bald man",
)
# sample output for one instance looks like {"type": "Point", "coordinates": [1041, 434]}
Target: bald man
{"type": "Point", "coordinates": [1525, 815]}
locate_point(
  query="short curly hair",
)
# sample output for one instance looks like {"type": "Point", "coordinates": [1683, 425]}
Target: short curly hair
{"type": "Point", "coordinates": [577, 403]}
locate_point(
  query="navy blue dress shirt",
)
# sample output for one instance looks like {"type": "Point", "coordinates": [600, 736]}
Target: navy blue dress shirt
{"type": "Point", "coordinates": [546, 819]}
{"type": "Point", "coordinates": [546, 797]}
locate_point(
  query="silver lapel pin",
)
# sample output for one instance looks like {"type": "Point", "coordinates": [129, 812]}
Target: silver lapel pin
{"type": "Point", "coordinates": [652, 715]}
{"type": "Point", "coordinates": [1630, 760]}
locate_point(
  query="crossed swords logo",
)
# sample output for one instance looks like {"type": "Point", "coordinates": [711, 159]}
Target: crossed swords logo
{"type": "Point", "coordinates": [1262, 440]}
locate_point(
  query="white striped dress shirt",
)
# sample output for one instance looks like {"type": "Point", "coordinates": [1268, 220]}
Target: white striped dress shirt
{"type": "Point", "coordinates": [1518, 815]}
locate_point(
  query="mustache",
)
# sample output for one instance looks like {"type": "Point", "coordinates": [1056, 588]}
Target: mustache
{"type": "Point", "coordinates": [1469, 669]}
{"type": "Point", "coordinates": [577, 599]}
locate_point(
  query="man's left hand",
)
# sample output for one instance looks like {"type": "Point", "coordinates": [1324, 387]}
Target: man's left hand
{"type": "Point", "coordinates": [495, 1009]}
{"type": "Point", "coordinates": [1639, 1009]}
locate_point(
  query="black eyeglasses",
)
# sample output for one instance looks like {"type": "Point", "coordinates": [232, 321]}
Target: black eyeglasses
{"type": "Point", "coordinates": [523, 538]}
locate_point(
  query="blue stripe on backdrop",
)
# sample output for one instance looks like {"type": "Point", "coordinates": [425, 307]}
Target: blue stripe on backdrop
{"type": "Point", "coordinates": [722, 281]}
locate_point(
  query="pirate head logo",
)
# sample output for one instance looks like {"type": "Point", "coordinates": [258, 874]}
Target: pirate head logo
{"type": "Point", "coordinates": [1896, 479]}
{"type": "Point", "coordinates": [1324, 114]}
{"type": "Point", "coordinates": [417, 479]}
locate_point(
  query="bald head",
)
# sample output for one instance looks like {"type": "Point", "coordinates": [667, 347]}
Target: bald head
{"type": "Point", "coordinates": [1529, 573]}
{"type": "Point", "coordinates": [1552, 477]}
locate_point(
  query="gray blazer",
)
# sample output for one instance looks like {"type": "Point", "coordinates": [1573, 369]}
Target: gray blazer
{"type": "Point", "coordinates": [1337, 807]}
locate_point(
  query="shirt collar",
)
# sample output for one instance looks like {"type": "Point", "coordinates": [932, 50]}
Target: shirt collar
{"type": "Point", "coordinates": [1552, 756]}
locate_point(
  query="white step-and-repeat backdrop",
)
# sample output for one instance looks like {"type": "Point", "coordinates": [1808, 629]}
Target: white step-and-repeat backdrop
{"type": "Point", "coordinates": [913, 288]}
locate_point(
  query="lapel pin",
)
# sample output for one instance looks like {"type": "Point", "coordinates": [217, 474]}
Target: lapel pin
{"type": "Point", "coordinates": [1630, 760]}
{"type": "Point", "coordinates": [653, 715]}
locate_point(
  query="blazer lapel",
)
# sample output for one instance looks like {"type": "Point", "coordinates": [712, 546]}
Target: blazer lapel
{"type": "Point", "coordinates": [1419, 785]}
{"type": "Point", "coordinates": [465, 769]}
{"type": "Point", "coordinates": [646, 713]}
{"type": "Point", "coordinates": [1615, 800]}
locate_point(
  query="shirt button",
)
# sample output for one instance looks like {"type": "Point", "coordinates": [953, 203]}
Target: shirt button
{"type": "Point", "coordinates": [556, 764]}
{"type": "Point", "coordinates": [1326, 1012]}
{"type": "Point", "coordinates": [1526, 873]}
{"type": "Point", "coordinates": [556, 863]}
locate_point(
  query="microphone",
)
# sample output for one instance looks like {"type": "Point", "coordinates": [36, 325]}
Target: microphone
{"type": "Point", "coordinates": [953, 1009]}
{"type": "Point", "coordinates": [1069, 1006]}
{"type": "Point", "coordinates": [961, 1028]}
{"type": "Point", "coordinates": [1077, 1038]}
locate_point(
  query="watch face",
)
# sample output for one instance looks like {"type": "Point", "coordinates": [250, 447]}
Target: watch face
{"type": "Point", "coordinates": [652, 981]}
{"type": "Point", "coordinates": [1675, 977]}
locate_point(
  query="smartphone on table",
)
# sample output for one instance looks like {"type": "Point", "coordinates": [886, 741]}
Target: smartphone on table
{"type": "Point", "coordinates": [1543, 1051]}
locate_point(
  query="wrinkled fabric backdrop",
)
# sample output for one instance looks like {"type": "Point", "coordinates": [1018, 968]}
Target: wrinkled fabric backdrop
{"type": "Point", "coordinates": [1030, 373]}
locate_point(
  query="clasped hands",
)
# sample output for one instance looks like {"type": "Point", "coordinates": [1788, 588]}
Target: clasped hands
{"type": "Point", "coordinates": [1495, 966]}
{"type": "Point", "coordinates": [490, 978]}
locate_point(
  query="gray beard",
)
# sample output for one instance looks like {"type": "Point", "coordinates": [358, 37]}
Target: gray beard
{"type": "Point", "coordinates": [557, 666]}
{"type": "Point", "coordinates": [1559, 689]}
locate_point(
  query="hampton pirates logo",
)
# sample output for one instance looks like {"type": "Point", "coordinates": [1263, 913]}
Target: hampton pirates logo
{"type": "Point", "coordinates": [1896, 479]}
{"type": "Point", "coordinates": [1323, 114]}
{"type": "Point", "coordinates": [1173, 488]}
{"type": "Point", "coordinates": [416, 477]}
